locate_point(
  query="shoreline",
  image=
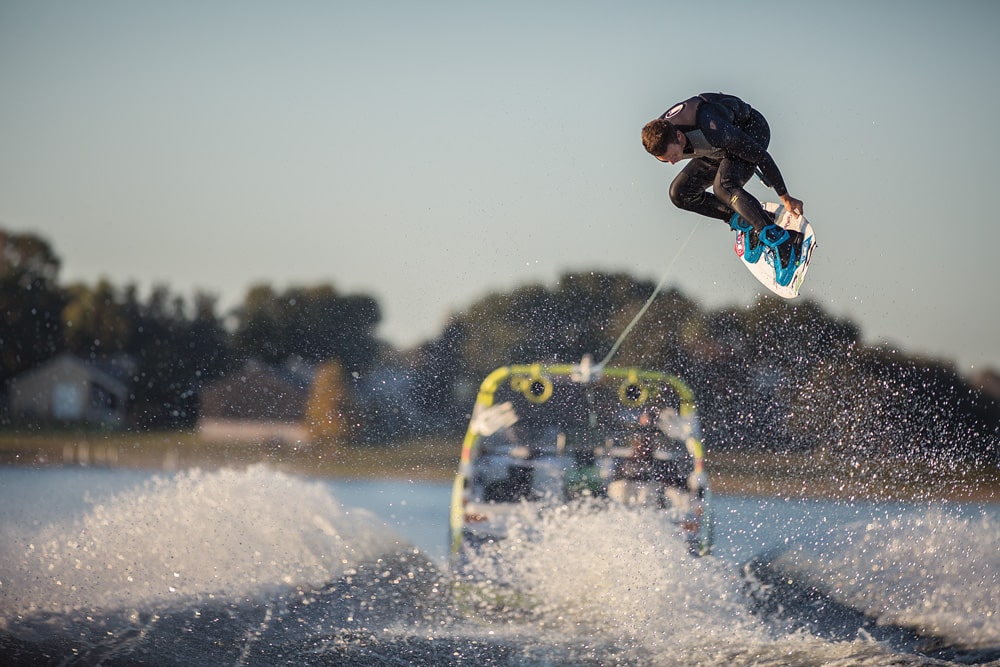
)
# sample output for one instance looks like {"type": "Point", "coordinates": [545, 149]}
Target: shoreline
{"type": "Point", "coordinates": [801, 475]}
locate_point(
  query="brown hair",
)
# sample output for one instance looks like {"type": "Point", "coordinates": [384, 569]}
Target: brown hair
{"type": "Point", "coordinates": [657, 135]}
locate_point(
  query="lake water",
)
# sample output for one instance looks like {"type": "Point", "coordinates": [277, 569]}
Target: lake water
{"type": "Point", "coordinates": [260, 567]}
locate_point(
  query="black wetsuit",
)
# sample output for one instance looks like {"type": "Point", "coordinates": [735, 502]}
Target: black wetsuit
{"type": "Point", "coordinates": [727, 140]}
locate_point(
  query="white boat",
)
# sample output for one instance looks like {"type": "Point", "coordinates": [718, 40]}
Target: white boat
{"type": "Point", "coordinates": [544, 436]}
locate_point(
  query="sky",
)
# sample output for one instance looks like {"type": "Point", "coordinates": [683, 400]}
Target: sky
{"type": "Point", "coordinates": [429, 153]}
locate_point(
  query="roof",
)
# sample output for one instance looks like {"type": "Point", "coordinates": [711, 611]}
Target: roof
{"type": "Point", "coordinates": [257, 392]}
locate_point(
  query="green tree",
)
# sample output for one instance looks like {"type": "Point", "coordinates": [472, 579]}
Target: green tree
{"type": "Point", "coordinates": [583, 314]}
{"type": "Point", "coordinates": [31, 304]}
{"type": "Point", "coordinates": [314, 323]}
{"type": "Point", "coordinates": [670, 329]}
{"type": "Point", "coordinates": [175, 353]}
{"type": "Point", "coordinates": [208, 343]}
{"type": "Point", "coordinates": [260, 331]}
{"type": "Point", "coordinates": [95, 324]}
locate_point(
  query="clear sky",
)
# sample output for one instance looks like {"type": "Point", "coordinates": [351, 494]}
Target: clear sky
{"type": "Point", "coordinates": [426, 153]}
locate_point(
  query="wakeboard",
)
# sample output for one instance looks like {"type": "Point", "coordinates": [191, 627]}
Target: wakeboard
{"type": "Point", "coordinates": [785, 284]}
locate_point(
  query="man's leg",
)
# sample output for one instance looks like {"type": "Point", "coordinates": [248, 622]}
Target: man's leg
{"type": "Point", "coordinates": [688, 190]}
{"type": "Point", "coordinates": [728, 187]}
{"type": "Point", "coordinates": [733, 174]}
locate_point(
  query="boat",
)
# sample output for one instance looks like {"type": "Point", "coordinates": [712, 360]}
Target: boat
{"type": "Point", "coordinates": [550, 435]}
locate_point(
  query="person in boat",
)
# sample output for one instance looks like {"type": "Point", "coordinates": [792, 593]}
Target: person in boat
{"type": "Point", "coordinates": [638, 478]}
{"type": "Point", "coordinates": [725, 141]}
{"type": "Point", "coordinates": [641, 465]}
{"type": "Point", "coordinates": [584, 477]}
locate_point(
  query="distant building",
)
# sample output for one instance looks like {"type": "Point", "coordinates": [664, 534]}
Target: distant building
{"type": "Point", "coordinates": [257, 404]}
{"type": "Point", "coordinates": [988, 382]}
{"type": "Point", "coordinates": [68, 389]}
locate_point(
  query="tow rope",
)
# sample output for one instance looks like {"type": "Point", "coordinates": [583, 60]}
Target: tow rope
{"type": "Point", "coordinates": [649, 301]}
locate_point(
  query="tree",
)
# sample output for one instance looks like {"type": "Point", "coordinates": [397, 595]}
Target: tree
{"type": "Point", "coordinates": [313, 323]}
{"type": "Point", "coordinates": [31, 304]}
{"type": "Point", "coordinates": [672, 328]}
{"type": "Point", "coordinates": [437, 375]}
{"type": "Point", "coordinates": [259, 333]}
{"type": "Point", "coordinates": [175, 354]}
{"type": "Point", "coordinates": [561, 324]}
{"type": "Point", "coordinates": [94, 322]}
{"type": "Point", "coordinates": [328, 411]}
{"type": "Point", "coordinates": [208, 342]}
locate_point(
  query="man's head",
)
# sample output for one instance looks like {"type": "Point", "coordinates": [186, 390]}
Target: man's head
{"type": "Point", "coordinates": [663, 141]}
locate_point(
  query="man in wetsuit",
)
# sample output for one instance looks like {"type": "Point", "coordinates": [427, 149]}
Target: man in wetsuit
{"type": "Point", "coordinates": [725, 140]}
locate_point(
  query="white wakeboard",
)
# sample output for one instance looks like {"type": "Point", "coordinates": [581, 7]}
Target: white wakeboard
{"type": "Point", "coordinates": [763, 268]}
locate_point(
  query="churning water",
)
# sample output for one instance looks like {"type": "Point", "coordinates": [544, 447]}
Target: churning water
{"type": "Point", "coordinates": [259, 567]}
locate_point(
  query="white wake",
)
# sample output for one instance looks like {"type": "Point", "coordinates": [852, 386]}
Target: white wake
{"type": "Point", "coordinates": [226, 534]}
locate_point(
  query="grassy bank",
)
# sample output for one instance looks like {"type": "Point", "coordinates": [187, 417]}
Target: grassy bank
{"type": "Point", "coordinates": [183, 449]}
{"type": "Point", "coordinates": [820, 474]}
{"type": "Point", "coordinates": [797, 475]}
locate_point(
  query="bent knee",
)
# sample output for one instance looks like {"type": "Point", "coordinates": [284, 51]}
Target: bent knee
{"type": "Point", "coordinates": [680, 195]}
{"type": "Point", "coordinates": [723, 193]}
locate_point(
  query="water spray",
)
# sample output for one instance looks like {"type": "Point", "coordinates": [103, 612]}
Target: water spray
{"type": "Point", "coordinates": [649, 301]}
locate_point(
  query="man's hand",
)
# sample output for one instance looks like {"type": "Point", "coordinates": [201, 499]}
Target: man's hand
{"type": "Point", "coordinates": [792, 205]}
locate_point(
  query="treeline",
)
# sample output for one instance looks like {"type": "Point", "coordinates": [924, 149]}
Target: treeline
{"type": "Point", "coordinates": [165, 347]}
{"type": "Point", "coordinates": [778, 374]}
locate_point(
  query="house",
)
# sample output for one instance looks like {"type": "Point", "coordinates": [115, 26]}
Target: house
{"type": "Point", "coordinates": [68, 389]}
{"type": "Point", "coordinates": [257, 404]}
{"type": "Point", "coordinates": [988, 382]}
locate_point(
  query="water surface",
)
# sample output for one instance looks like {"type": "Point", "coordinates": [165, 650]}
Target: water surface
{"type": "Point", "coordinates": [260, 567]}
